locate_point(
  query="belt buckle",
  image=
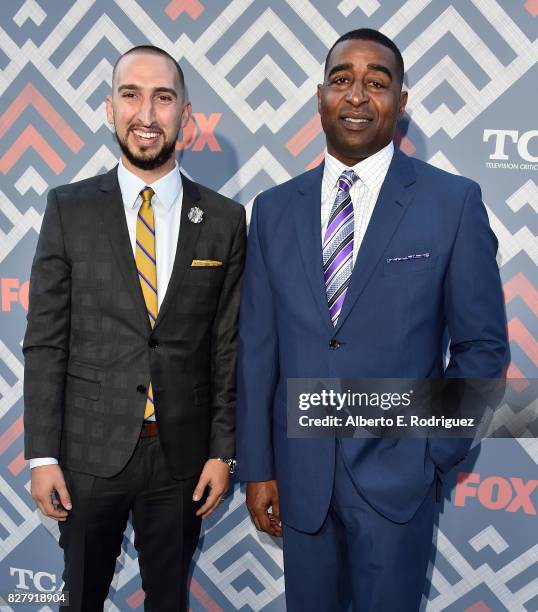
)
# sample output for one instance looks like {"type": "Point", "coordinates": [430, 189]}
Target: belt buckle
{"type": "Point", "coordinates": [149, 429]}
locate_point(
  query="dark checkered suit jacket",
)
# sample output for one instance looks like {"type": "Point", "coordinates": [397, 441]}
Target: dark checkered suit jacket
{"type": "Point", "coordinates": [90, 352]}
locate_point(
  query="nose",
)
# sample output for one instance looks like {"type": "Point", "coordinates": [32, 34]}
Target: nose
{"type": "Point", "coordinates": [146, 112]}
{"type": "Point", "coordinates": [357, 93]}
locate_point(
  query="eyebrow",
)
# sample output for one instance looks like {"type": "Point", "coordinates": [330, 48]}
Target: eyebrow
{"type": "Point", "coordinates": [349, 66]}
{"type": "Point", "coordinates": [156, 90]}
{"type": "Point", "coordinates": [380, 68]}
{"type": "Point", "coordinates": [339, 68]}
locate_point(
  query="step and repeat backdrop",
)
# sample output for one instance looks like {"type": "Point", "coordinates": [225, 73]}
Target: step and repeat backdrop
{"type": "Point", "coordinates": [251, 68]}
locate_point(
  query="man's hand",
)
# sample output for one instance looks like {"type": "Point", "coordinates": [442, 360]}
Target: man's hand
{"type": "Point", "coordinates": [216, 476]}
{"type": "Point", "coordinates": [47, 479]}
{"type": "Point", "coordinates": [260, 497]}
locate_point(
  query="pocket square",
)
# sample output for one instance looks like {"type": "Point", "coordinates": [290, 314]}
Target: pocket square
{"type": "Point", "coordinates": [408, 257]}
{"type": "Point", "coordinates": [198, 263]}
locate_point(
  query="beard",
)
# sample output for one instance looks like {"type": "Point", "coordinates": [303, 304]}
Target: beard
{"type": "Point", "coordinates": [144, 162]}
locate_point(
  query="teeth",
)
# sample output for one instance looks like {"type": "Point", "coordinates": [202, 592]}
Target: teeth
{"type": "Point", "coordinates": [146, 134]}
{"type": "Point", "coordinates": [351, 120]}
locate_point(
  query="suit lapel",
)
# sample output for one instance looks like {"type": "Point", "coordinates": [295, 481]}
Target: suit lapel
{"type": "Point", "coordinates": [394, 197]}
{"type": "Point", "coordinates": [113, 215]}
{"type": "Point", "coordinates": [188, 236]}
{"type": "Point", "coordinates": [307, 215]}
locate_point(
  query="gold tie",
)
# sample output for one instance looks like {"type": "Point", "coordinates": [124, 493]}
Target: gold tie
{"type": "Point", "coordinates": [146, 264]}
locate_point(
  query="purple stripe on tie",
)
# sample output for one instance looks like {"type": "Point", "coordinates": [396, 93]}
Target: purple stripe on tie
{"type": "Point", "coordinates": [336, 308]}
{"type": "Point", "coordinates": [344, 183]}
{"type": "Point", "coordinates": [151, 315]}
{"type": "Point", "coordinates": [338, 260]}
{"type": "Point", "coordinates": [340, 218]}
{"type": "Point", "coordinates": [146, 253]}
{"type": "Point", "coordinates": [336, 277]}
{"type": "Point", "coordinates": [147, 282]}
{"type": "Point", "coordinates": [144, 222]}
{"type": "Point", "coordinates": [335, 294]}
{"type": "Point", "coordinates": [339, 247]}
{"type": "Point", "coordinates": [341, 235]}
{"type": "Point", "coordinates": [342, 228]}
{"type": "Point", "coordinates": [338, 209]}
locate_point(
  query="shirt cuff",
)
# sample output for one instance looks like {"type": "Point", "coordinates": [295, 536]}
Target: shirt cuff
{"type": "Point", "coordinates": [39, 461]}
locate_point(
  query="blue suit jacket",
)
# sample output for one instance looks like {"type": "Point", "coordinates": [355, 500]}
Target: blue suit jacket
{"type": "Point", "coordinates": [392, 325]}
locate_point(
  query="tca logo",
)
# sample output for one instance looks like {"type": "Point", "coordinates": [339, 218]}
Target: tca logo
{"type": "Point", "coordinates": [38, 581]}
{"type": "Point", "coordinates": [501, 137]}
{"type": "Point", "coordinates": [496, 492]}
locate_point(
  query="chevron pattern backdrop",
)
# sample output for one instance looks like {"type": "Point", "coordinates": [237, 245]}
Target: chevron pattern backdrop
{"type": "Point", "coordinates": [252, 67]}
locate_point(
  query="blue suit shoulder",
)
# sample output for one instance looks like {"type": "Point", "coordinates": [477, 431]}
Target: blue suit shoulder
{"type": "Point", "coordinates": [279, 195]}
{"type": "Point", "coordinates": [442, 186]}
{"type": "Point", "coordinates": [443, 180]}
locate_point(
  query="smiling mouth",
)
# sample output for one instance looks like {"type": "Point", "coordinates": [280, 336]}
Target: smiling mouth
{"type": "Point", "coordinates": [355, 124]}
{"type": "Point", "coordinates": [146, 136]}
{"type": "Point", "coordinates": [356, 120]}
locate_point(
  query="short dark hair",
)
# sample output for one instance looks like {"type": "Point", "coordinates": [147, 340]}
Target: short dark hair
{"type": "Point", "coordinates": [151, 50]}
{"type": "Point", "coordinates": [375, 36]}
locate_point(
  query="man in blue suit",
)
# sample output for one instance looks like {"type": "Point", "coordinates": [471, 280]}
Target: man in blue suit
{"type": "Point", "coordinates": [356, 269]}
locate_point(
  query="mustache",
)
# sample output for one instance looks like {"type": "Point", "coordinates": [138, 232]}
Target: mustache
{"type": "Point", "coordinates": [146, 128]}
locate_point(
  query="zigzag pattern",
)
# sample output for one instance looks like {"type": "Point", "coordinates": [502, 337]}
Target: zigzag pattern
{"type": "Point", "coordinates": [471, 577]}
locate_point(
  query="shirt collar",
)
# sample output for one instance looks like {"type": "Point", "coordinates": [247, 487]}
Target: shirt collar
{"type": "Point", "coordinates": [167, 188]}
{"type": "Point", "coordinates": [372, 170]}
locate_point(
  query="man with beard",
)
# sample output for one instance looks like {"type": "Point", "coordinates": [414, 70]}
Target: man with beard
{"type": "Point", "coordinates": [130, 348]}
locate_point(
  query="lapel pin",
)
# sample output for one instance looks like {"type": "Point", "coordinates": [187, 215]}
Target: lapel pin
{"type": "Point", "coordinates": [196, 214]}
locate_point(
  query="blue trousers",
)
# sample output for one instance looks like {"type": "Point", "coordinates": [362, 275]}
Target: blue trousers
{"type": "Point", "coordinates": [358, 557]}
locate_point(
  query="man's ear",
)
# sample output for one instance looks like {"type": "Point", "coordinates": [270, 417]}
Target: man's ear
{"type": "Point", "coordinates": [186, 114]}
{"type": "Point", "coordinates": [109, 110]}
{"type": "Point", "coordinates": [403, 103]}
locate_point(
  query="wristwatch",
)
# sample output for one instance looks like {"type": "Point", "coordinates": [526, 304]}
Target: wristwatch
{"type": "Point", "coordinates": [229, 461]}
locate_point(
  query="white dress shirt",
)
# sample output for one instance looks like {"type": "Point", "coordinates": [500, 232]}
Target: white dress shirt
{"type": "Point", "coordinates": [166, 205]}
{"type": "Point", "coordinates": [364, 191]}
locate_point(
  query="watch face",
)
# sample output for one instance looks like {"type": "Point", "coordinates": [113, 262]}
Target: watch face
{"type": "Point", "coordinates": [230, 463]}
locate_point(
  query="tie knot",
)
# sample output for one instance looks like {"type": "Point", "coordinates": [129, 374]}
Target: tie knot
{"type": "Point", "coordinates": [147, 193]}
{"type": "Point", "coordinates": [347, 178]}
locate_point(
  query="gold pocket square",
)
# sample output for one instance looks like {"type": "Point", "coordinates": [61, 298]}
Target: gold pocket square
{"type": "Point", "coordinates": [197, 263]}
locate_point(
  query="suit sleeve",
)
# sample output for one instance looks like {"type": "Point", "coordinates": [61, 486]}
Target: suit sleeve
{"type": "Point", "coordinates": [224, 349]}
{"type": "Point", "coordinates": [258, 365]}
{"type": "Point", "coordinates": [474, 310]}
{"type": "Point", "coordinates": [474, 303]}
{"type": "Point", "coordinates": [46, 342]}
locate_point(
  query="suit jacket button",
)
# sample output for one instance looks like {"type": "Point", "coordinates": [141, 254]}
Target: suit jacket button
{"type": "Point", "coordinates": [142, 389]}
{"type": "Point", "coordinates": [334, 344]}
{"type": "Point", "coordinates": [153, 343]}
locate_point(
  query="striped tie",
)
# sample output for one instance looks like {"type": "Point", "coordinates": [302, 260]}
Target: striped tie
{"type": "Point", "coordinates": [338, 246]}
{"type": "Point", "coordinates": [146, 265]}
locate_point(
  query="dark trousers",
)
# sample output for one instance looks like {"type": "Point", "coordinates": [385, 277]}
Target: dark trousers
{"type": "Point", "coordinates": [358, 556]}
{"type": "Point", "coordinates": [165, 526]}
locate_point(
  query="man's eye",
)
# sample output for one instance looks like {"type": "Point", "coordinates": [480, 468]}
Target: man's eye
{"type": "Point", "coordinates": [376, 84]}
{"type": "Point", "coordinates": [128, 94]}
{"type": "Point", "coordinates": [340, 80]}
{"type": "Point", "coordinates": [165, 98]}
